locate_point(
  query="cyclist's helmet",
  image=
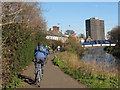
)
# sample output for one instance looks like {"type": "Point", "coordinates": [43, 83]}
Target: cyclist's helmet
{"type": "Point", "coordinates": [40, 44]}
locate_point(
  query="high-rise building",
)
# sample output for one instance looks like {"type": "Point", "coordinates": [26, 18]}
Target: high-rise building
{"type": "Point", "coordinates": [95, 29]}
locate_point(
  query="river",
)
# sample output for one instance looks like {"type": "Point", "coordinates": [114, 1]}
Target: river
{"type": "Point", "coordinates": [101, 58]}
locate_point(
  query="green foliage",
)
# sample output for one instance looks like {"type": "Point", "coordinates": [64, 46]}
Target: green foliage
{"type": "Point", "coordinates": [18, 52]}
{"type": "Point", "coordinates": [59, 43]}
{"type": "Point", "coordinates": [21, 33]}
{"type": "Point", "coordinates": [114, 50]}
{"type": "Point", "coordinates": [15, 82]}
{"type": "Point", "coordinates": [75, 47]}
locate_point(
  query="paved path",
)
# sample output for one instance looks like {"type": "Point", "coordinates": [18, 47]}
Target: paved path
{"type": "Point", "coordinates": [53, 77]}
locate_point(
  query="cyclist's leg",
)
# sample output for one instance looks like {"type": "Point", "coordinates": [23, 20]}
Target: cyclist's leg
{"type": "Point", "coordinates": [46, 59]}
{"type": "Point", "coordinates": [36, 71]}
{"type": "Point", "coordinates": [43, 65]}
{"type": "Point", "coordinates": [35, 77]}
{"type": "Point", "coordinates": [39, 73]}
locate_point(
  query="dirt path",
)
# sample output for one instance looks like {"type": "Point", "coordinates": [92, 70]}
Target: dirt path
{"type": "Point", "coordinates": [53, 77]}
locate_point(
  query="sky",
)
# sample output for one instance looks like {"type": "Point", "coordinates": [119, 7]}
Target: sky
{"type": "Point", "coordinates": [72, 15]}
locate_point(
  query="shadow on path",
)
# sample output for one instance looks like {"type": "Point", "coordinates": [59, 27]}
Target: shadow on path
{"type": "Point", "coordinates": [26, 79]}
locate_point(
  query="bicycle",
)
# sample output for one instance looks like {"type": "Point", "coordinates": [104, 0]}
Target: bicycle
{"type": "Point", "coordinates": [39, 70]}
{"type": "Point", "coordinates": [39, 73]}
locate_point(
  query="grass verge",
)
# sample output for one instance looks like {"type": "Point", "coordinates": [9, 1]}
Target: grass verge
{"type": "Point", "coordinates": [87, 74]}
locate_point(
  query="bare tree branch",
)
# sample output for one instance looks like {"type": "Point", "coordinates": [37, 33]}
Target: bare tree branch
{"type": "Point", "coordinates": [12, 13]}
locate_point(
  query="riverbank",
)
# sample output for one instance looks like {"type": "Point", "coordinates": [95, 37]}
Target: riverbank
{"type": "Point", "coordinates": [88, 74]}
{"type": "Point", "coordinates": [115, 51]}
{"type": "Point", "coordinates": [95, 47]}
{"type": "Point", "coordinates": [99, 57]}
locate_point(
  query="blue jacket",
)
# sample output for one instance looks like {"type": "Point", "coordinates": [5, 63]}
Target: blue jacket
{"type": "Point", "coordinates": [40, 55]}
{"type": "Point", "coordinates": [40, 52]}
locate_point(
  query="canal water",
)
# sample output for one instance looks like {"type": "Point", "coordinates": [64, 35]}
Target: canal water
{"type": "Point", "coordinates": [101, 58]}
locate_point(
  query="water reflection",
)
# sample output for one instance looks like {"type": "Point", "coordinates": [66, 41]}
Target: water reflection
{"type": "Point", "coordinates": [99, 57]}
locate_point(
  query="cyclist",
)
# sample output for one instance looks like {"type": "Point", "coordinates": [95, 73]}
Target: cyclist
{"type": "Point", "coordinates": [53, 47]}
{"type": "Point", "coordinates": [47, 54]}
{"type": "Point", "coordinates": [40, 55]}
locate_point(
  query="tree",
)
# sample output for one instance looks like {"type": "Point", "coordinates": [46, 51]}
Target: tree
{"type": "Point", "coordinates": [70, 32]}
{"type": "Point", "coordinates": [27, 13]}
{"type": "Point", "coordinates": [114, 34]}
{"type": "Point", "coordinates": [81, 36]}
{"type": "Point", "coordinates": [21, 25]}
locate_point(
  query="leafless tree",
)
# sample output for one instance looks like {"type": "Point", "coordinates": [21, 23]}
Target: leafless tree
{"type": "Point", "coordinates": [27, 13]}
{"type": "Point", "coordinates": [114, 34]}
{"type": "Point", "coordinates": [70, 32]}
{"type": "Point", "coordinates": [81, 36]}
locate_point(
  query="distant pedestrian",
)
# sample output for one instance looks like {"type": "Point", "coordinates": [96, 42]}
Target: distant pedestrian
{"type": "Point", "coordinates": [58, 48]}
{"type": "Point", "coordinates": [62, 49]}
{"type": "Point", "coordinates": [53, 47]}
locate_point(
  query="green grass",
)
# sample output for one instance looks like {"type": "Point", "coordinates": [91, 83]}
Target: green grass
{"type": "Point", "coordinates": [89, 78]}
{"type": "Point", "coordinates": [16, 82]}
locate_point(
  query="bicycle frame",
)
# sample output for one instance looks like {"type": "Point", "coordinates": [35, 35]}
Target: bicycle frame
{"type": "Point", "coordinates": [39, 65]}
{"type": "Point", "coordinates": [39, 72]}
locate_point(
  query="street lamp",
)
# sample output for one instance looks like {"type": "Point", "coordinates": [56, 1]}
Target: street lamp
{"type": "Point", "coordinates": [69, 27]}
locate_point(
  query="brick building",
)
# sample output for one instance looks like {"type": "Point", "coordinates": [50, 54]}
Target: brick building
{"type": "Point", "coordinates": [55, 28]}
{"type": "Point", "coordinates": [55, 34]}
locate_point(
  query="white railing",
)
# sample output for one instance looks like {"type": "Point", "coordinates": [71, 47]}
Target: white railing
{"type": "Point", "coordinates": [97, 45]}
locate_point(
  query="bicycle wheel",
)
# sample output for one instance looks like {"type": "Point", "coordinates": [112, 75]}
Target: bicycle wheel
{"type": "Point", "coordinates": [39, 73]}
{"type": "Point", "coordinates": [39, 77]}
